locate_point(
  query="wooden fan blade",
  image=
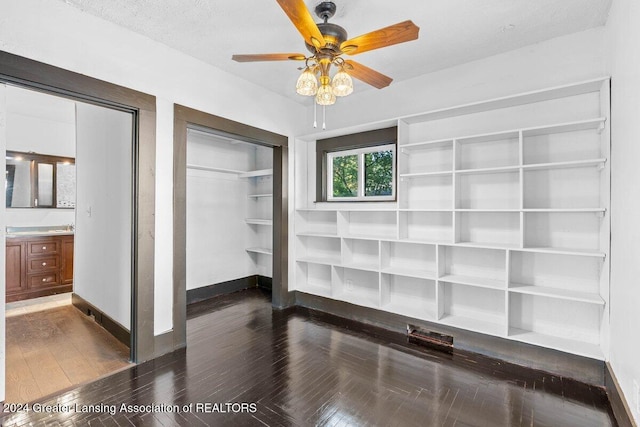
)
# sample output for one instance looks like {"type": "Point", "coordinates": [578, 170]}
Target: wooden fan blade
{"type": "Point", "coordinates": [269, 57]}
{"type": "Point", "coordinates": [367, 75]}
{"type": "Point", "coordinates": [394, 34]}
{"type": "Point", "coordinates": [297, 11]}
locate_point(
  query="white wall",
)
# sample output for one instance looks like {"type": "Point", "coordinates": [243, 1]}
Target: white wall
{"type": "Point", "coordinates": [40, 123]}
{"type": "Point", "coordinates": [623, 33]}
{"type": "Point", "coordinates": [102, 255]}
{"type": "Point", "coordinates": [43, 124]}
{"type": "Point", "coordinates": [61, 35]}
{"type": "Point", "coordinates": [216, 207]}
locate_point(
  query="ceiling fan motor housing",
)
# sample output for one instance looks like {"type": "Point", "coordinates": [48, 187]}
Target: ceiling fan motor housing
{"type": "Point", "coordinates": [333, 35]}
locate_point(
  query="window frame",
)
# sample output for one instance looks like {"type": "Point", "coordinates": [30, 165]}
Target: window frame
{"type": "Point", "coordinates": [371, 138]}
{"type": "Point", "coordinates": [361, 152]}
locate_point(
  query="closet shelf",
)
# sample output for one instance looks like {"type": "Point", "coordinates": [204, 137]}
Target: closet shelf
{"type": "Point", "coordinates": [241, 174]}
{"type": "Point", "coordinates": [264, 251]}
{"type": "Point", "coordinates": [213, 169]}
{"type": "Point", "coordinates": [258, 221]}
{"type": "Point", "coordinates": [256, 173]}
{"type": "Point", "coordinates": [566, 294]}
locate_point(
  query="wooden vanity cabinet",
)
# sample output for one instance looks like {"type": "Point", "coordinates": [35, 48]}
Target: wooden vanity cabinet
{"type": "Point", "coordinates": [37, 266]}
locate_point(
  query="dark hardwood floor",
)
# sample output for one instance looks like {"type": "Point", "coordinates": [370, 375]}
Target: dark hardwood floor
{"type": "Point", "coordinates": [249, 365]}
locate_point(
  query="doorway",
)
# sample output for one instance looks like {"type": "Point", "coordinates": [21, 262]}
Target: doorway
{"type": "Point", "coordinates": [68, 241]}
{"type": "Point", "coordinates": [184, 119]}
{"type": "Point", "coordinates": [145, 342]}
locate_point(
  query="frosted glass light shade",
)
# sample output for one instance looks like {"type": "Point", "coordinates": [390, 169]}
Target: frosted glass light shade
{"type": "Point", "coordinates": [307, 83]}
{"type": "Point", "coordinates": [342, 84]}
{"type": "Point", "coordinates": [325, 95]}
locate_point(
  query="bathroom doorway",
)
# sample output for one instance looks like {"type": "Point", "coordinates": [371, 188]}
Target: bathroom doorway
{"type": "Point", "coordinates": [68, 261]}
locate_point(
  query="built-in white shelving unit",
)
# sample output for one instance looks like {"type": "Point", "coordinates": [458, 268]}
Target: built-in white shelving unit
{"type": "Point", "coordinates": [260, 209]}
{"type": "Point", "coordinates": [501, 224]}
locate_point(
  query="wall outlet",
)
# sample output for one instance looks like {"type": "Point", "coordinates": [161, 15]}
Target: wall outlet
{"type": "Point", "coordinates": [349, 285]}
{"type": "Point", "coordinates": [636, 397]}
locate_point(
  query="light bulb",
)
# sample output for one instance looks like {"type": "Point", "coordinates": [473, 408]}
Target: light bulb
{"type": "Point", "coordinates": [325, 95]}
{"type": "Point", "coordinates": [307, 83]}
{"type": "Point", "coordinates": [342, 84]}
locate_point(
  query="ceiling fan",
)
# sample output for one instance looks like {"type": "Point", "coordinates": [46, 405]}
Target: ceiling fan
{"type": "Point", "coordinates": [327, 42]}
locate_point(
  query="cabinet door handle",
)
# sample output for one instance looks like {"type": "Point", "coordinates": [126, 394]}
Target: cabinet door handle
{"type": "Point", "coordinates": [44, 248]}
{"type": "Point", "coordinates": [44, 264]}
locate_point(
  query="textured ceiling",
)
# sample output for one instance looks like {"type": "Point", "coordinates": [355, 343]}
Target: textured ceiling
{"type": "Point", "coordinates": [451, 31]}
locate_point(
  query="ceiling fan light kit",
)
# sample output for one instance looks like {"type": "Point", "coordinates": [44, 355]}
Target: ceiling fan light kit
{"type": "Point", "coordinates": [327, 42]}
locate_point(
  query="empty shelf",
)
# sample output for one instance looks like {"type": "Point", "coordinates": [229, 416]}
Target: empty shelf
{"type": "Point", "coordinates": [256, 173]}
{"type": "Point", "coordinates": [265, 251]}
{"type": "Point", "coordinates": [257, 221]}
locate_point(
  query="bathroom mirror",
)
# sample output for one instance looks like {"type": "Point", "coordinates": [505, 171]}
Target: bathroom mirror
{"type": "Point", "coordinates": [40, 181]}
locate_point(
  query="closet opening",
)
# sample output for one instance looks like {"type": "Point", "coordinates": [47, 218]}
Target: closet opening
{"type": "Point", "coordinates": [229, 214]}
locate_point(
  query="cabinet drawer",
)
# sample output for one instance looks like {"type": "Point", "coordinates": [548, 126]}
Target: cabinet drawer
{"type": "Point", "coordinates": [43, 264]}
{"type": "Point", "coordinates": [43, 247]}
{"type": "Point", "coordinates": [44, 280]}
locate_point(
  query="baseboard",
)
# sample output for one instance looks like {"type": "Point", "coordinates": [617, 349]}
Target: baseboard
{"type": "Point", "coordinates": [114, 328]}
{"type": "Point", "coordinates": [223, 288]}
{"type": "Point", "coordinates": [265, 282]}
{"type": "Point", "coordinates": [578, 368]}
{"type": "Point", "coordinates": [619, 405]}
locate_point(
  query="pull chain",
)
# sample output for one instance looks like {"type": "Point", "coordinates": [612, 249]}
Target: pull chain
{"type": "Point", "coordinates": [315, 114]}
{"type": "Point", "coordinates": [324, 117]}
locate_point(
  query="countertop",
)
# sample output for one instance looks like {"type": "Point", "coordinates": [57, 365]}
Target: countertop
{"type": "Point", "coordinates": [39, 231]}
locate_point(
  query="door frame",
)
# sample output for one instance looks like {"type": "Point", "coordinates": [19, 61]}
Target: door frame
{"type": "Point", "coordinates": [184, 117]}
{"type": "Point", "coordinates": [30, 74]}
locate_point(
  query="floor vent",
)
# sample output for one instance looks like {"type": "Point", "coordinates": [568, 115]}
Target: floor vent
{"type": "Point", "coordinates": [430, 339]}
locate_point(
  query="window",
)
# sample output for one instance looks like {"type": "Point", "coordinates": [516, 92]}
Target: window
{"type": "Point", "coordinates": [363, 165]}
{"type": "Point", "coordinates": [361, 174]}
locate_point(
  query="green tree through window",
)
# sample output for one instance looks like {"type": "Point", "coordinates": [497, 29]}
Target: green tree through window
{"type": "Point", "coordinates": [362, 174]}
{"type": "Point", "coordinates": [345, 176]}
{"type": "Point", "coordinates": [378, 173]}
